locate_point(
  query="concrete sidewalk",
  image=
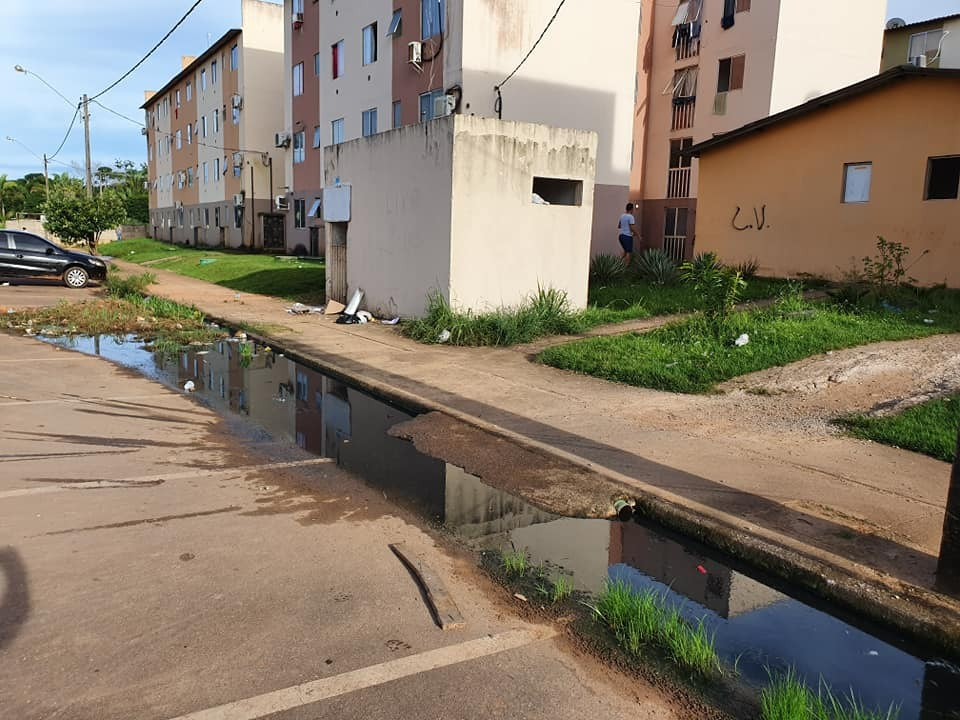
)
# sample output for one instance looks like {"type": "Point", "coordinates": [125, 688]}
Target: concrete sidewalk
{"type": "Point", "coordinates": [836, 499]}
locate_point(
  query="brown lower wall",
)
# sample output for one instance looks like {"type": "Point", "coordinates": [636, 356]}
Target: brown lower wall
{"type": "Point", "coordinates": [202, 234]}
{"type": "Point", "coordinates": [609, 202]}
{"type": "Point", "coordinates": [652, 223]}
{"type": "Point", "coordinates": [298, 240]}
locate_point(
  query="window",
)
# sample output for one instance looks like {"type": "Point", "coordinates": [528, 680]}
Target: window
{"type": "Point", "coordinates": [234, 57]}
{"type": "Point", "coordinates": [431, 18]}
{"type": "Point", "coordinates": [213, 73]}
{"type": "Point", "coordinates": [337, 60]}
{"type": "Point", "coordinates": [370, 44]}
{"type": "Point", "coordinates": [298, 7]}
{"type": "Point", "coordinates": [427, 102]}
{"type": "Point", "coordinates": [235, 115]}
{"type": "Point", "coordinates": [397, 115]}
{"type": "Point", "coordinates": [178, 98]}
{"type": "Point", "coordinates": [315, 208]}
{"type": "Point", "coordinates": [678, 174]}
{"type": "Point", "coordinates": [28, 244]}
{"type": "Point", "coordinates": [675, 224]}
{"type": "Point", "coordinates": [369, 122]}
{"type": "Point", "coordinates": [396, 24]}
{"type": "Point", "coordinates": [179, 140]}
{"type": "Point", "coordinates": [742, 6]}
{"type": "Point", "coordinates": [206, 173]}
{"type": "Point", "coordinates": [206, 217]}
{"type": "Point", "coordinates": [237, 164]}
{"type": "Point", "coordinates": [203, 80]}
{"type": "Point", "coordinates": [731, 73]}
{"type": "Point", "coordinates": [558, 191]}
{"type": "Point", "coordinates": [298, 80]}
{"type": "Point", "coordinates": [189, 91]}
{"type": "Point", "coordinates": [317, 140]}
{"type": "Point", "coordinates": [216, 121]}
{"type": "Point", "coordinates": [216, 171]}
{"type": "Point", "coordinates": [856, 182]}
{"type": "Point", "coordinates": [943, 178]}
{"type": "Point", "coordinates": [925, 45]}
{"type": "Point", "coordinates": [316, 64]}
{"type": "Point", "coordinates": [190, 176]}
{"type": "Point", "coordinates": [216, 216]}
{"type": "Point", "coordinates": [189, 134]}
{"type": "Point", "coordinates": [336, 131]}
{"type": "Point", "coordinates": [203, 124]}
{"type": "Point", "coordinates": [299, 154]}
{"type": "Point", "coordinates": [299, 213]}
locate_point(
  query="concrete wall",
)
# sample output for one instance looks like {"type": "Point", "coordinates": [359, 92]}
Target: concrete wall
{"type": "Point", "coordinates": [808, 228]}
{"type": "Point", "coordinates": [503, 244]}
{"type": "Point", "coordinates": [817, 54]}
{"type": "Point", "coordinates": [896, 44]}
{"type": "Point", "coordinates": [398, 242]}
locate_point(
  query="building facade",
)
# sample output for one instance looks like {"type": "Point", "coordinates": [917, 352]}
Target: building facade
{"type": "Point", "coordinates": [707, 67]}
{"type": "Point", "coordinates": [211, 156]}
{"type": "Point", "coordinates": [810, 190]}
{"type": "Point", "coordinates": [361, 67]}
{"type": "Point", "coordinates": [933, 43]}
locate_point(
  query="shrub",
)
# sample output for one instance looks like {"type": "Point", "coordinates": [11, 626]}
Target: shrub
{"type": "Point", "coordinates": [719, 288]}
{"type": "Point", "coordinates": [606, 268]}
{"type": "Point", "coordinates": [748, 268]}
{"type": "Point", "coordinates": [128, 287]}
{"type": "Point", "coordinates": [657, 267]}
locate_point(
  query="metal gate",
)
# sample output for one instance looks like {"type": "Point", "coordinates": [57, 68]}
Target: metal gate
{"type": "Point", "coordinates": [273, 232]}
{"type": "Point", "coordinates": [337, 263]}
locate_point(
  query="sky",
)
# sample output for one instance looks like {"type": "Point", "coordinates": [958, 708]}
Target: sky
{"type": "Point", "coordinates": [84, 46]}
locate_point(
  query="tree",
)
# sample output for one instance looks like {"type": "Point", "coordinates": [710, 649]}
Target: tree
{"type": "Point", "coordinates": [129, 182]}
{"type": "Point", "coordinates": [75, 218]}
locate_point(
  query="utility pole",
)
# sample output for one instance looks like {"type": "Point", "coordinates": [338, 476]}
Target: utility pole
{"type": "Point", "coordinates": [86, 142]}
{"type": "Point", "coordinates": [948, 567]}
{"type": "Point", "coordinates": [46, 177]}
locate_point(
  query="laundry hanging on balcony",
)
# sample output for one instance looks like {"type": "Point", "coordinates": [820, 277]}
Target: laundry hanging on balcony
{"type": "Point", "coordinates": [729, 14]}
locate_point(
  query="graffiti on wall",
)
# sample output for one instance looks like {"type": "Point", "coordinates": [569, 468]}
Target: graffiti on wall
{"type": "Point", "coordinates": [759, 216]}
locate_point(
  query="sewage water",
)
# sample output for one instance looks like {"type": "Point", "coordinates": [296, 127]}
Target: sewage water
{"type": "Point", "coordinates": [757, 626]}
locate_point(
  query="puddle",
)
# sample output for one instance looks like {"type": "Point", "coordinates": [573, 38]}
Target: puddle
{"type": "Point", "coordinates": [756, 625]}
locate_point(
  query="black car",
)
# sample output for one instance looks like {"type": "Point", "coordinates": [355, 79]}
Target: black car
{"type": "Point", "coordinates": [24, 255]}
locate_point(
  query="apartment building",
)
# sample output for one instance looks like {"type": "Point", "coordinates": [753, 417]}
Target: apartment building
{"type": "Point", "coordinates": [707, 67]}
{"type": "Point", "coordinates": [933, 43]}
{"type": "Point", "coordinates": [356, 68]}
{"type": "Point", "coordinates": [210, 142]}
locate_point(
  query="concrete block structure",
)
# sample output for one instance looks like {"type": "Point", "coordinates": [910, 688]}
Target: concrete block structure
{"type": "Point", "coordinates": [458, 206]}
{"type": "Point", "coordinates": [707, 67]}
{"type": "Point", "coordinates": [357, 68]}
{"type": "Point", "coordinates": [211, 150]}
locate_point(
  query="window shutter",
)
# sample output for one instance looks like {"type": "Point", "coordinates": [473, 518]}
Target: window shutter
{"type": "Point", "coordinates": [737, 69]}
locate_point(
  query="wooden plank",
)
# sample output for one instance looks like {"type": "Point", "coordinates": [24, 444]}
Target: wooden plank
{"type": "Point", "coordinates": [445, 611]}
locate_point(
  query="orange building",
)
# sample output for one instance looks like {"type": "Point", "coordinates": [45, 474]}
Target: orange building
{"type": "Point", "coordinates": [809, 190]}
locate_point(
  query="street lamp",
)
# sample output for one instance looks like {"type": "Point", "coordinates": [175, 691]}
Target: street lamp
{"type": "Point", "coordinates": [86, 122]}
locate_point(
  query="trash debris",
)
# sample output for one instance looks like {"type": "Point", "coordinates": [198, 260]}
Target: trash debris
{"type": "Point", "coordinates": [345, 319]}
{"type": "Point", "coordinates": [208, 261]}
{"type": "Point", "coordinates": [6, 284]}
{"type": "Point", "coordinates": [518, 596]}
{"type": "Point", "coordinates": [702, 570]}
{"type": "Point", "coordinates": [742, 340]}
{"type": "Point", "coordinates": [874, 653]}
{"type": "Point", "coordinates": [537, 200]}
{"type": "Point", "coordinates": [623, 509]}
{"type": "Point", "coordinates": [364, 317]}
{"type": "Point", "coordinates": [444, 336]}
{"type": "Point", "coordinates": [394, 321]}
{"type": "Point", "coordinates": [354, 303]}
{"type": "Point", "coordinates": [301, 309]}
{"type": "Point", "coordinates": [189, 386]}
{"type": "Point", "coordinates": [672, 365]}
{"type": "Point", "coordinates": [240, 335]}
{"type": "Point", "coordinates": [334, 308]}
{"type": "Point", "coordinates": [928, 321]}
{"type": "Point", "coordinates": [892, 308]}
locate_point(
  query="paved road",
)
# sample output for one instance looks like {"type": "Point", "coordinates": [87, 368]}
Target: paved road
{"type": "Point", "coordinates": [155, 565]}
{"type": "Point", "coordinates": [20, 294]}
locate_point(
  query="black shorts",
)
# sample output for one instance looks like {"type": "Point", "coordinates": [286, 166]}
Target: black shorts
{"type": "Point", "coordinates": [626, 242]}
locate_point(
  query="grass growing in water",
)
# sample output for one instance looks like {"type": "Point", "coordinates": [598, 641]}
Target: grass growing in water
{"type": "Point", "coordinates": [788, 698]}
{"type": "Point", "coordinates": [642, 618]}
{"type": "Point", "coordinates": [514, 561]}
{"type": "Point", "coordinates": [929, 428]}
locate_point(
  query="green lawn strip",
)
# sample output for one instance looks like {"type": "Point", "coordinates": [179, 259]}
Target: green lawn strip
{"type": "Point", "coordinates": [929, 428]}
{"type": "Point", "coordinates": [288, 278]}
{"type": "Point", "coordinates": [687, 357]}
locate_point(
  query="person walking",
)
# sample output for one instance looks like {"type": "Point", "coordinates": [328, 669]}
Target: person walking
{"type": "Point", "coordinates": [628, 232]}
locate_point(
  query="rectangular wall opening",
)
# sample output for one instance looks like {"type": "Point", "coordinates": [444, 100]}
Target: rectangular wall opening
{"type": "Point", "coordinates": [557, 191]}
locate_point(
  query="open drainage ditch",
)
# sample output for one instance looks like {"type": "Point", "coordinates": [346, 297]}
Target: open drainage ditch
{"type": "Point", "coordinates": [757, 623]}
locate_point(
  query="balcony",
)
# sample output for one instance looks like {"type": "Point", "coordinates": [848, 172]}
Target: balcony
{"type": "Point", "coordinates": [683, 113]}
{"type": "Point", "coordinates": [678, 182]}
{"type": "Point", "coordinates": [687, 48]}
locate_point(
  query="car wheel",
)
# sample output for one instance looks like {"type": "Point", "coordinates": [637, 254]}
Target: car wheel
{"type": "Point", "coordinates": [75, 277]}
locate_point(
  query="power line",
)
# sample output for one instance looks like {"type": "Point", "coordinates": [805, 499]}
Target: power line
{"type": "Point", "coordinates": [152, 50]}
{"type": "Point", "coordinates": [539, 39]}
{"type": "Point", "coordinates": [69, 130]}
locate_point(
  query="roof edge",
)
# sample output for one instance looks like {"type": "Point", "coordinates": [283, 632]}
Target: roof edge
{"type": "Point", "coordinates": [209, 52]}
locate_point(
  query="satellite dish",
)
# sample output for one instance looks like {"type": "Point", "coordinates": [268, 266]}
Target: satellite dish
{"type": "Point", "coordinates": [895, 23]}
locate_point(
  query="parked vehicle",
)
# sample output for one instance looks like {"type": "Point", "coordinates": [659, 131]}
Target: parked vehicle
{"type": "Point", "coordinates": [24, 255]}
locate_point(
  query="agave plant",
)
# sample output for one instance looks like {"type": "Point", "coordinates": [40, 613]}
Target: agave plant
{"type": "Point", "coordinates": [606, 268]}
{"type": "Point", "coordinates": [657, 267]}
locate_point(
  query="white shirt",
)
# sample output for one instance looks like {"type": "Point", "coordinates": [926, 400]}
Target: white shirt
{"type": "Point", "coordinates": [627, 221]}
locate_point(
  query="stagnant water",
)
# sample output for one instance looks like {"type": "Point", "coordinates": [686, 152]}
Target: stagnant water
{"type": "Point", "coordinates": [757, 626]}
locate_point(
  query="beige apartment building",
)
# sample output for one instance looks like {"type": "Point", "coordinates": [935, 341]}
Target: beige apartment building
{"type": "Point", "coordinates": [933, 43]}
{"type": "Point", "coordinates": [358, 68]}
{"type": "Point", "coordinates": [212, 161]}
{"type": "Point", "coordinates": [707, 67]}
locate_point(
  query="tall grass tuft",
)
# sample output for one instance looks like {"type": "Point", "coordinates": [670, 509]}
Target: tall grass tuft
{"type": "Point", "coordinates": [607, 268]}
{"type": "Point", "coordinates": [657, 267]}
{"type": "Point", "coordinates": [787, 697]}
{"type": "Point", "coordinates": [514, 561]}
{"type": "Point", "coordinates": [562, 589]}
{"type": "Point", "coordinates": [128, 287]}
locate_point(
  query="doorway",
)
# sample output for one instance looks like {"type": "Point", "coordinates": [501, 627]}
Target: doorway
{"type": "Point", "coordinates": [337, 263]}
{"type": "Point", "coordinates": [274, 232]}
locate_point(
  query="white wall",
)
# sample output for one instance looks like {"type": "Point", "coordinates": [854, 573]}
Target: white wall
{"type": "Point", "coordinates": [208, 148]}
{"type": "Point", "coordinates": [503, 245]}
{"type": "Point", "coordinates": [950, 50]}
{"type": "Point", "coordinates": [818, 53]}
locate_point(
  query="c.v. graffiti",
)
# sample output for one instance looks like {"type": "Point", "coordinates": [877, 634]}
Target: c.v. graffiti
{"type": "Point", "coordinates": [759, 216]}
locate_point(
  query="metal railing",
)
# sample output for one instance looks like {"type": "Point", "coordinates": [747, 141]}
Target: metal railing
{"type": "Point", "coordinates": [675, 246]}
{"type": "Point", "coordinates": [678, 182]}
{"type": "Point", "coordinates": [688, 48]}
{"type": "Point", "coordinates": [683, 115]}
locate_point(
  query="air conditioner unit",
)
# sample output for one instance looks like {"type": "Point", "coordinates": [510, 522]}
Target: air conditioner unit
{"type": "Point", "coordinates": [281, 140]}
{"type": "Point", "coordinates": [238, 200]}
{"type": "Point", "coordinates": [444, 105]}
{"type": "Point", "coordinates": [919, 61]}
{"type": "Point", "coordinates": [297, 18]}
{"type": "Point", "coordinates": [143, 131]}
{"type": "Point", "coordinates": [236, 102]}
{"type": "Point", "coordinates": [415, 53]}
{"type": "Point", "coordinates": [282, 203]}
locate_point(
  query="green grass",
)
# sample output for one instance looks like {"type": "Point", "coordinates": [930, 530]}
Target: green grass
{"type": "Point", "coordinates": [929, 428]}
{"type": "Point", "coordinates": [514, 561]}
{"type": "Point", "coordinates": [642, 619]}
{"type": "Point", "coordinates": [788, 698]}
{"type": "Point", "coordinates": [298, 280]}
{"type": "Point", "coordinates": [561, 588]}
{"type": "Point", "coordinates": [688, 357]}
